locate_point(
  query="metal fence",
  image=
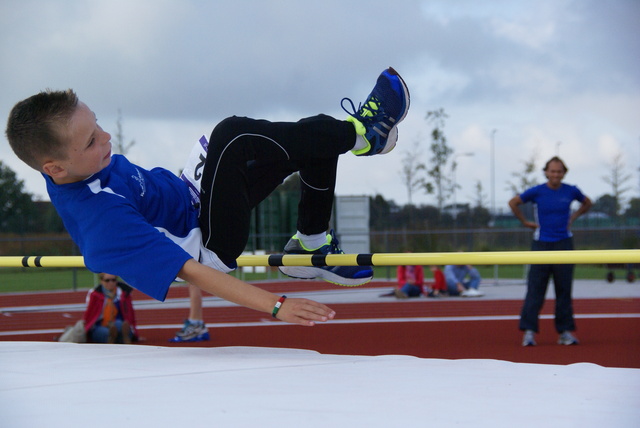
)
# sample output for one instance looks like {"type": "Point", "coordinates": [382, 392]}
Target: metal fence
{"type": "Point", "coordinates": [508, 239]}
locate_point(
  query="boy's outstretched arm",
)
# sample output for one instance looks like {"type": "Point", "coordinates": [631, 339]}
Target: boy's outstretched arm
{"type": "Point", "coordinates": [296, 311]}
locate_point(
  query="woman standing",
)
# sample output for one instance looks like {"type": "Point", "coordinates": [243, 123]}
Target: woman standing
{"type": "Point", "coordinates": [552, 210]}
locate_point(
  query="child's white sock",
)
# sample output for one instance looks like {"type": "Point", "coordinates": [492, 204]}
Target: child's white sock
{"type": "Point", "coordinates": [312, 242]}
{"type": "Point", "coordinates": [361, 143]}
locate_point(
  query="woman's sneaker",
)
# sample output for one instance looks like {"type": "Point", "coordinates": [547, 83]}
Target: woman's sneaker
{"type": "Point", "coordinates": [377, 119]}
{"type": "Point", "coordinates": [566, 338]}
{"type": "Point", "coordinates": [529, 338]}
{"type": "Point", "coordinates": [349, 276]}
{"type": "Point", "coordinates": [191, 332]}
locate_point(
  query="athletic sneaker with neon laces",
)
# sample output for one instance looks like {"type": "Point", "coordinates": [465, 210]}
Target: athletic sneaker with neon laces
{"type": "Point", "coordinates": [191, 332]}
{"type": "Point", "coordinates": [377, 119]}
{"type": "Point", "coordinates": [566, 338]}
{"type": "Point", "coordinates": [349, 276]}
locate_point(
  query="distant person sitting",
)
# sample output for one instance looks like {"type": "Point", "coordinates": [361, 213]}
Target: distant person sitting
{"type": "Point", "coordinates": [438, 286]}
{"type": "Point", "coordinates": [410, 281]}
{"type": "Point", "coordinates": [109, 317]}
{"type": "Point", "coordinates": [462, 280]}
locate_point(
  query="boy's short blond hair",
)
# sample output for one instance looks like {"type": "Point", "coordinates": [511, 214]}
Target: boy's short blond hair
{"type": "Point", "coordinates": [36, 125]}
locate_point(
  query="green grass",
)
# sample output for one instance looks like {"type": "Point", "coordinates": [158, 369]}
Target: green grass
{"type": "Point", "coordinates": [46, 279]}
{"type": "Point", "coordinates": [514, 272]}
{"type": "Point", "coordinates": [518, 271]}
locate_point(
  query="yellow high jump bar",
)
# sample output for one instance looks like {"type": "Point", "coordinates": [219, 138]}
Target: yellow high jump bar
{"type": "Point", "coordinates": [384, 259]}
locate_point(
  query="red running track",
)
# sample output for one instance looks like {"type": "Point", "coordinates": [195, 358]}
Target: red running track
{"type": "Point", "coordinates": [609, 329]}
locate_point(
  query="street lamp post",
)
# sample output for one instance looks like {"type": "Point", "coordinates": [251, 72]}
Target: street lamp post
{"type": "Point", "coordinates": [493, 175]}
{"type": "Point", "coordinates": [455, 185]}
{"type": "Point", "coordinates": [493, 193]}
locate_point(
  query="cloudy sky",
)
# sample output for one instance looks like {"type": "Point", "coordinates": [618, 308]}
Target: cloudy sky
{"type": "Point", "coordinates": [549, 76]}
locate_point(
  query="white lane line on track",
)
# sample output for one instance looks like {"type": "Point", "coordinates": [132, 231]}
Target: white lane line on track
{"type": "Point", "coordinates": [269, 323]}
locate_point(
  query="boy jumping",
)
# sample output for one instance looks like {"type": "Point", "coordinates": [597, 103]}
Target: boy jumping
{"type": "Point", "coordinates": [150, 227]}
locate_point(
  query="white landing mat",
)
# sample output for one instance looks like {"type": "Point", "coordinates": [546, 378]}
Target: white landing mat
{"type": "Point", "coordinates": [71, 385]}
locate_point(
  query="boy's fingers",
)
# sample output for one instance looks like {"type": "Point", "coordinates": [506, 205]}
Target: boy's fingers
{"type": "Point", "coordinates": [314, 308]}
{"type": "Point", "coordinates": [305, 311]}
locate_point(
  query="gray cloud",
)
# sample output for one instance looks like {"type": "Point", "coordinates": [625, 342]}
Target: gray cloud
{"type": "Point", "coordinates": [540, 72]}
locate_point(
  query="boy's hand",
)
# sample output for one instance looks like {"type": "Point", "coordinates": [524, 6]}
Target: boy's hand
{"type": "Point", "coordinates": [304, 312]}
{"type": "Point", "coordinates": [295, 311]}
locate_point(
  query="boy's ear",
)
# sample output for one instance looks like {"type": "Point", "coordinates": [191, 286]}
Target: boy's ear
{"type": "Point", "coordinates": [54, 170]}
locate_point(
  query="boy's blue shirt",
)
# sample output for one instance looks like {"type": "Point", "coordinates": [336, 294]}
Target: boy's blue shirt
{"type": "Point", "coordinates": [131, 222]}
{"type": "Point", "coordinates": [552, 209]}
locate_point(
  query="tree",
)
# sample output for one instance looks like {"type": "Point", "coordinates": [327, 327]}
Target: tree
{"type": "Point", "coordinates": [118, 144]}
{"type": "Point", "coordinates": [617, 179]}
{"type": "Point", "coordinates": [380, 212]}
{"type": "Point", "coordinates": [606, 204]}
{"type": "Point", "coordinates": [480, 196]}
{"type": "Point", "coordinates": [633, 210]}
{"type": "Point", "coordinates": [411, 169]}
{"type": "Point", "coordinates": [526, 178]}
{"type": "Point", "coordinates": [16, 205]}
{"type": "Point", "coordinates": [480, 215]}
{"type": "Point", "coordinates": [440, 155]}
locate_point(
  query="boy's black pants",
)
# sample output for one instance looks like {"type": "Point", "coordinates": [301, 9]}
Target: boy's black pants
{"type": "Point", "coordinates": [247, 159]}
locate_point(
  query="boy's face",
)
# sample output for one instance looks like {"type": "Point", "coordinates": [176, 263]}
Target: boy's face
{"type": "Point", "coordinates": [88, 149]}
